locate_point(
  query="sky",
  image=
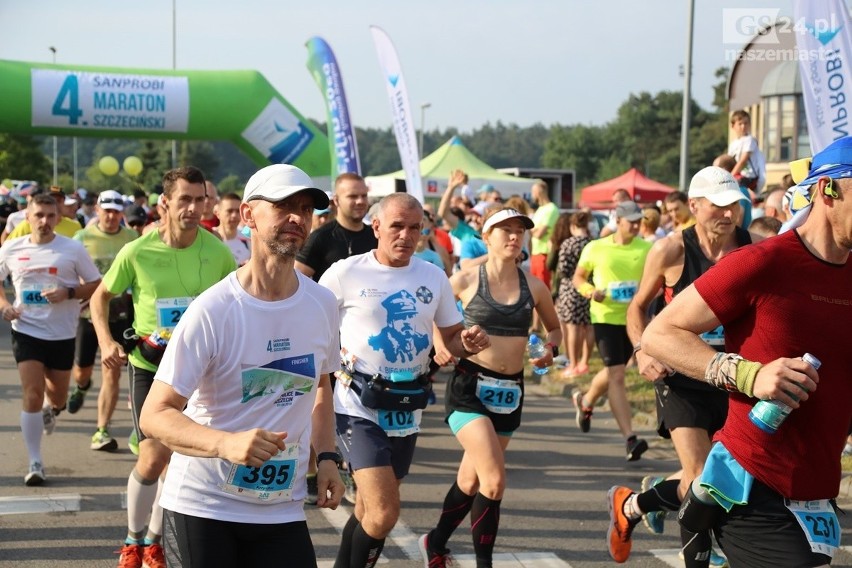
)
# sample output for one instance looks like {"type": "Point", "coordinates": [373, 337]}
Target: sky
{"type": "Point", "coordinates": [474, 61]}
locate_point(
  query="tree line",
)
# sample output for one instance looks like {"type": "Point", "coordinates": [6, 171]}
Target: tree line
{"type": "Point", "coordinates": [644, 134]}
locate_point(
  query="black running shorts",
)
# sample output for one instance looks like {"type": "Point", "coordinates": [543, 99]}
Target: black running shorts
{"type": "Point", "coordinates": [613, 343]}
{"type": "Point", "coordinates": [196, 542]}
{"type": "Point", "coordinates": [765, 534]}
{"type": "Point", "coordinates": [87, 340]}
{"type": "Point", "coordinates": [681, 406]}
{"type": "Point", "coordinates": [57, 354]}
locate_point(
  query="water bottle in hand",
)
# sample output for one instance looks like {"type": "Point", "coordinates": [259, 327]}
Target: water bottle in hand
{"type": "Point", "coordinates": [769, 414]}
{"type": "Point", "coordinates": [536, 350]}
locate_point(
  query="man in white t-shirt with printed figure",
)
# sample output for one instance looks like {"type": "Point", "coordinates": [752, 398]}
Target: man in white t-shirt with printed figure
{"type": "Point", "coordinates": [243, 391]}
{"type": "Point", "coordinates": [51, 274]}
{"type": "Point", "coordinates": [388, 303]}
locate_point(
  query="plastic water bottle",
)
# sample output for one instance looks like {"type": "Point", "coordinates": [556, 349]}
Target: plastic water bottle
{"type": "Point", "coordinates": [537, 349]}
{"type": "Point", "coordinates": [769, 414]}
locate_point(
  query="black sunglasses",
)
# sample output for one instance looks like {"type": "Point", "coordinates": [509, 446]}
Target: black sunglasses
{"type": "Point", "coordinates": [116, 200]}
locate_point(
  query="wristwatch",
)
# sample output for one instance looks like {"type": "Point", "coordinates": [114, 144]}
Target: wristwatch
{"type": "Point", "coordinates": [553, 349]}
{"type": "Point", "coordinates": [333, 456]}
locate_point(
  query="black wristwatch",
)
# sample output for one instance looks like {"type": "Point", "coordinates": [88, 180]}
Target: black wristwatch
{"type": "Point", "coordinates": [333, 456]}
{"type": "Point", "coordinates": [71, 292]}
{"type": "Point", "coordinates": [553, 349]}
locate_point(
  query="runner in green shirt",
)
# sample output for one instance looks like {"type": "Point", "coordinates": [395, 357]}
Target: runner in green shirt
{"type": "Point", "coordinates": [616, 264]}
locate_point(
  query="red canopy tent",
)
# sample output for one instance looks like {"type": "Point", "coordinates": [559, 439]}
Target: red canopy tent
{"type": "Point", "coordinates": [641, 188]}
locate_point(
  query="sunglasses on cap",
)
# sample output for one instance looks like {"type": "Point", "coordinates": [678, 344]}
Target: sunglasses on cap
{"type": "Point", "coordinates": [115, 200]}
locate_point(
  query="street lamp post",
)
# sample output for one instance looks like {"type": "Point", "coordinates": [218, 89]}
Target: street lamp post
{"type": "Point", "coordinates": [174, 66]}
{"type": "Point", "coordinates": [423, 108]}
{"type": "Point", "coordinates": [55, 141]}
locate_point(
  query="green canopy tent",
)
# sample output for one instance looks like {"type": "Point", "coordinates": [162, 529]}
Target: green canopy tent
{"type": "Point", "coordinates": [435, 171]}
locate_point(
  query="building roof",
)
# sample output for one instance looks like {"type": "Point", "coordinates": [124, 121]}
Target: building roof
{"type": "Point", "coordinates": [782, 80]}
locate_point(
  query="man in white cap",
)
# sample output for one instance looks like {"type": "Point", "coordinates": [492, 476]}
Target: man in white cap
{"type": "Point", "coordinates": [688, 412]}
{"type": "Point", "coordinates": [243, 392]}
{"type": "Point", "coordinates": [102, 240]}
{"type": "Point", "coordinates": [165, 269]}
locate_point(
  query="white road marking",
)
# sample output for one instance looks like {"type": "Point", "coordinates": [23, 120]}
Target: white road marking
{"type": "Point", "coordinates": [405, 539]}
{"type": "Point", "coordinates": [56, 503]}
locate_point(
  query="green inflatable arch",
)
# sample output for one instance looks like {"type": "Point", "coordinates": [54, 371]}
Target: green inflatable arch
{"type": "Point", "coordinates": [240, 106]}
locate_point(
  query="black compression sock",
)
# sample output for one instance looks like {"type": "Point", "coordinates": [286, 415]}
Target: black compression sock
{"type": "Point", "coordinates": [345, 550]}
{"type": "Point", "coordinates": [484, 522]}
{"type": "Point", "coordinates": [365, 549]}
{"type": "Point", "coordinates": [661, 497]}
{"type": "Point", "coordinates": [696, 548]}
{"type": "Point", "coordinates": [457, 504]}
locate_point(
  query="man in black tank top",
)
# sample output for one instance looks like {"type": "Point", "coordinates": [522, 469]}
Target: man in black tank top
{"type": "Point", "coordinates": [688, 411]}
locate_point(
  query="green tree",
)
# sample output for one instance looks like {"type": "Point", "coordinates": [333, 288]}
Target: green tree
{"type": "Point", "coordinates": [576, 147]}
{"type": "Point", "coordinates": [231, 184]}
{"type": "Point", "coordinates": [21, 157]}
{"type": "Point", "coordinates": [200, 154]}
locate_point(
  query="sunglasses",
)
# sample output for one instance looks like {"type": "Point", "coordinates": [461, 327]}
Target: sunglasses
{"type": "Point", "coordinates": [114, 200]}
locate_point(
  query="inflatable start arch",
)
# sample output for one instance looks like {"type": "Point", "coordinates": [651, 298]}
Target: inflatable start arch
{"type": "Point", "coordinates": [241, 106]}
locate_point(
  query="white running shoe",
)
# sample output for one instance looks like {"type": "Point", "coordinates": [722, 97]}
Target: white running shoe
{"type": "Point", "coordinates": [35, 476]}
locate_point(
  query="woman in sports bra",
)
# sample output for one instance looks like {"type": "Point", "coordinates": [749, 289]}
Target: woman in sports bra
{"type": "Point", "coordinates": [484, 397]}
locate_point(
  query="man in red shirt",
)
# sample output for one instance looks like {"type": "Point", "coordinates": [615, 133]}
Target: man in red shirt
{"type": "Point", "coordinates": [777, 300]}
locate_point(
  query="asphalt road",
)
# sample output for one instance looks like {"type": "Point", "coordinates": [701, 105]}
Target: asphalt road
{"type": "Point", "coordinates": [553, 514]}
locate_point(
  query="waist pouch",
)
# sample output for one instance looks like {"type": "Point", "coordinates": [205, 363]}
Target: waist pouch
{"type": "Point", "coordinates": [379, 393]}
{"type": "Point", "coordinates": [150, 351]}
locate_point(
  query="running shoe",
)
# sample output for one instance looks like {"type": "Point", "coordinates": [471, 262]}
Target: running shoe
{"type": "Point", "coordinates": [584, 414]}
{"type": "Point", "coordinates": [655, 520]}
{"type": "Point", "coordinates": [433, 559]}
{"type": "Point", "coordinates": [620, 527]}
{"type": "Point", "coordinates": [48, 416]}
{"type": "Point", "coordinates": [716, 559]}
{"type": "Point", "coordinates": [35, 475]}
{"type": "Point", "coordinates": [133, 442]}
{"type": "Point", "coordinates": [131, 556]}
{"type": "Point", "coordinates": [103, 442]}
{"type": "Point", "coordinates": [153, 557]}
{"type": "Point", "coordinates": [635, 448]}
{"type": "Point", "coordinates": [78, 395]}
{"type": "Point", "coordinates": [847, 450]}
{"type": "Point", "coordinates": [311, 497]}
{"type": "Point", "coordinates": [560, 361]}
{"type": "Point", "coordinates": [351, 491]}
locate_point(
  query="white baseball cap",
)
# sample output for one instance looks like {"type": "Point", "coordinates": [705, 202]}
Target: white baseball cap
{"type": "Point", "coordinates": [111, 199]}
{"type": "Point", "coordinates": [717, 185]}
{"type": "Point", "coordinates": [280, 181]}
{"type": "Point", "coordinates": [505, 215]}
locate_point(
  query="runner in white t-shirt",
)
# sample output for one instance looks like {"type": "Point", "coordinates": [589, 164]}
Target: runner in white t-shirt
{"type": "Point", "coordinates": [388, 303]}
{"type": "Point", "coordinates": [243, 392]}
{"type": "Point", "coordinates": [51, 274]}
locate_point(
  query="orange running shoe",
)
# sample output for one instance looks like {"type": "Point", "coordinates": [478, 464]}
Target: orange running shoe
{"type": "Point", "coordinates": [131, 556]}
{"type": "Point", "coordinates": [620, 527]}
{"type": "Point", "coordinates": [153, 556]}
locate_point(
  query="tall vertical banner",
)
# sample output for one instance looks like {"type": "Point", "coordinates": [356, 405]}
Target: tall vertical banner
{"type": "Point", "coordinates": [403, 126]}
{"type": "Point", "coordinates": [341, 133]}
{"type": "Point", "coordinates": [824, 43]}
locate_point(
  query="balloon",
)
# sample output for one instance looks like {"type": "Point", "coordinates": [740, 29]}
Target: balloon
{"type": "Point", "coordinates": [132, 165]}
{"type": "Point", "coordinates": [108, 166]}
